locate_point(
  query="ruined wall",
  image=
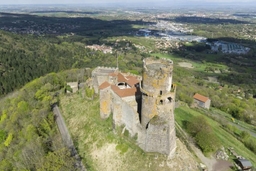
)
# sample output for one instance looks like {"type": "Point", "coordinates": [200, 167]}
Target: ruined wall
{"type": "Point", "coordinates": [130, 118]}
{"type": "Point", "coordinates": [157, 136]}
{"type": "Point", "coordinates": [105, 103]}
{"type": "Point", "coordinates": [125, 114]}
{"type": "Point", "coordinates": [100, 75]}
{"type": "Point", "coordinates": [98, 80]}
{"type": "Point", "coordinates": [117, 109]}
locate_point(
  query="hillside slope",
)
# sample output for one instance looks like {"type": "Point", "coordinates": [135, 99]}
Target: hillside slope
{"type": "Point", "coordinates": [29, 138]}
{"type": "Point", "coordinates": [103, 149]}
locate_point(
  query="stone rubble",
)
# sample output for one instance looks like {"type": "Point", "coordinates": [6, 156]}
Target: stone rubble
{"type": "Point", "coordinates": [221, 154]}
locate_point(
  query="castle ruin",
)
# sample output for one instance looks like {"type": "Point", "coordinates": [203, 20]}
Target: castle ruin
{"type": "Point", "coordinates": [144, 105]}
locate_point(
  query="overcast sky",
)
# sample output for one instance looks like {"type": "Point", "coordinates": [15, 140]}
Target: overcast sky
{"type": "Point", "coordinates": [111, 1]}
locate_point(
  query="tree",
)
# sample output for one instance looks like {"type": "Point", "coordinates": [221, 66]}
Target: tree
{"type": "Point", "coordinates": [197, 124]}
{"type": "Point", "coordinates": [203, 134]}
{"type": "Point", "coordinates": [207, 140]}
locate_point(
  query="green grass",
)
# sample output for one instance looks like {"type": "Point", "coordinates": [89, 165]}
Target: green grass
{"type": "Point", "coordinates": [184, 114]}
{"type": "Point", "coordinates": [173, 57]}
{"type": "Point", "coordinates": [198, 66]}
{"type": "Point", "coordinates": [189, 44]}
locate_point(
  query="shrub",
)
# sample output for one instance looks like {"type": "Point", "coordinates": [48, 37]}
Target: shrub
{"type": "Point", "coordinates": [203, 134]}
{"type": "Point", "coordinates": [245, 135]}
{"type": "Point", "coordinates": [207, 140]}
{"type": "Point", "coordinates": [251, 144]}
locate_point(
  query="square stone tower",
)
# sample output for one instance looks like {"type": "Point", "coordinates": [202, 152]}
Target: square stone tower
{"type": "Point", "coordinates": [157, 114]}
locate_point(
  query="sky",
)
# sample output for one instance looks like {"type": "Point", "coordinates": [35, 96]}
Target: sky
{"type": "Point", "coordinates": [118, 1]}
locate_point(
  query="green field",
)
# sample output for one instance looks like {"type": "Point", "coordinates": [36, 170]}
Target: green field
{"type": "Point", "coordinates": [198, 66]}
{"type": "Point", "coordinates": [184, 114]}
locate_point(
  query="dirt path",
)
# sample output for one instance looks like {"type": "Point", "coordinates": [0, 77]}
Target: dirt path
{"type": "Point", "coordinates": [209, 162]}
{"type": "Point", "coordinates": [185, 65]}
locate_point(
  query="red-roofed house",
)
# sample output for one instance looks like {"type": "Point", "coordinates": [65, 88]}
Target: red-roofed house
{"type": "Point", "coordinates": [202, 101]}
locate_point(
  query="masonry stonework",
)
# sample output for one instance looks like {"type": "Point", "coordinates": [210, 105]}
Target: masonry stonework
{"type": "Point", "coordinates": [157, 115]}
{"type": "Point", "coordinates": [144, 106]}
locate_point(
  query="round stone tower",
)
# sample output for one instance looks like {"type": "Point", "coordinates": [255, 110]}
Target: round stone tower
{"type": "Point", "coordinates": [157, 113]}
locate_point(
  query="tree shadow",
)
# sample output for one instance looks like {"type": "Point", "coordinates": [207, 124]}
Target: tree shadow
{"type": "Point", "coordinates": [185, 124]}
{"type": "Point", "coordinates": [204, 20]}
{"type": "Point", "coordinates": [80, 26]}
{"type": "Point", "coordinates": [68, 12]}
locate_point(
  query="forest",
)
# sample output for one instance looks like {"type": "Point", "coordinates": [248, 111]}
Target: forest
{"type": "Point", "coordinates": [29, 137]}
{"type": "Point", "coordinates": [25, 57]}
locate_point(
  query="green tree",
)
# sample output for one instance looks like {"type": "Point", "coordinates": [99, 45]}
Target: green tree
{"type": "Point", "coordinates": [207, 140]}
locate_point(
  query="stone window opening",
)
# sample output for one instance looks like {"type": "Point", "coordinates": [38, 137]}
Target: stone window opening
{"type": "Point", "coordinates": [122, 85]}
{"type": "Point", "coordinates": [144, 94]}
{"type": "Point", "coordinates": [161, 92]}
{"type": "Point", "coordinates": [169, 99]}
{"type": "Point", "coordinates": [161, 102]}
{"type": "Point", "coordinates": [147, 125]}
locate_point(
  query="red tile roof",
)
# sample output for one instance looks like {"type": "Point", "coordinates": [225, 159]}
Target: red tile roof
{"type": "Point", "coordinates": [121, 78]}
{"type": "Point", "coordinates": [113, 74]}
{"type": "Point", "coordinates": [200, 97]}
{"type": "Point", "coordinates": [115, 88]}
{"type": "Point", "coordinates": [132, 81]}
{"type": "Point", "coordinates": [126, 92]}
{"type": "Point", "coordinates": [104, 85]}
{"type": "Point", "coordinates": [129, 77]}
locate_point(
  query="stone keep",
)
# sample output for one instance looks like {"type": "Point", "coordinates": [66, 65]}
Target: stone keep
{"type": "Point", "coordinates": [157, 114]}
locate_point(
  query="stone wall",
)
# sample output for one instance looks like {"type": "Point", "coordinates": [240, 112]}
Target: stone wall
{"type": "Point", "coordinates": [100, 75]}
{"type": "Point", "coordinates": [105, 103]}
{"type": "Point", "coordinates": [208, 104]}
{"type": "Point", "coordinates": [158, 99]}
{"type": "Point", "coordinates": [157, 81]}
{"type": "Point", "coordinates": [205, 105]}
{"type": "Point", "coordinates": [157, 138]}
{"type": "Point", "coordinates": [125, 114]}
